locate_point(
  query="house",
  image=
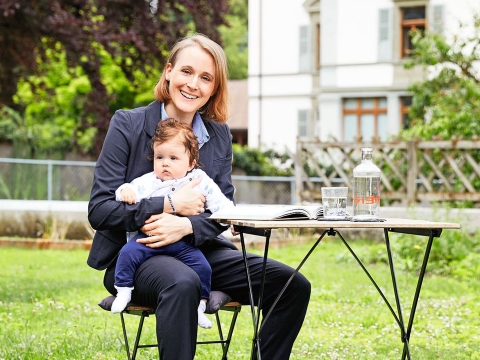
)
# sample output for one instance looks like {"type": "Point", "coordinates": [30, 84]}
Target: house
{"type": "Point", "coordinates": [333, 69]}
{"type": "Point", "coordinates": [238, 120]}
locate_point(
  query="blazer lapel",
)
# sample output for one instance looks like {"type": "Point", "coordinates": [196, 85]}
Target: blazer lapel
{"type": "Point", "coordinates": [152, 117]}
{"type": "Point", "coordinates": [206, 152]}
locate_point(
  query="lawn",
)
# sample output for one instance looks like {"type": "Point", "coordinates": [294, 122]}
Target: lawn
{"type": "Point", "coordinates": [48, 310]}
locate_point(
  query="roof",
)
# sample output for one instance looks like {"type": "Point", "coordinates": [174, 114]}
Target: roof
{"type": "Point", "coordinates": [238, 104]}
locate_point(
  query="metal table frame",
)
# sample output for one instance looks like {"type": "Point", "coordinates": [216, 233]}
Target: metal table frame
{"type": "Point", "coordinates": [404, 226]}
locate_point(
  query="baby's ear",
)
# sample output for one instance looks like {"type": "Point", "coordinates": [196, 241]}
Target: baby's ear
{"type": "Point", "coordinates": [192, 165]}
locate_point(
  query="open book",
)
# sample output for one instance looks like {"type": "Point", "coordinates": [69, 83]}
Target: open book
{"type": "Point", "coordinates": [269, 212]}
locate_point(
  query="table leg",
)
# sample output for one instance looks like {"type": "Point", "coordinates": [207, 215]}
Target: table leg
{"type": "Point", "coordinates": [406, 350]}
{"type": "Point", "coordinates": [329, 232]}
{"type": "Point", "coordinates": [401, 323]}
{"type": "Point", "coordinates": [398, 317]}
{"type": "Point", "coordinates": [405, 333]}
{"type": "Point", "coordinates": [256, 316]}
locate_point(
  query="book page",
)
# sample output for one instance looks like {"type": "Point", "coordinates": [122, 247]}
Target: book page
{"type": "Point", "coordinates": [269, 212]}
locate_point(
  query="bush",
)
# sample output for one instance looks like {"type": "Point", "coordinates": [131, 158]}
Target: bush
{"type": "Point", "coordinates": [454, 253]}
{"type": "Point", "coordinates": [256, 162]}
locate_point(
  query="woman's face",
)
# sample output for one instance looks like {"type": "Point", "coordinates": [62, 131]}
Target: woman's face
{"type": "Point", "coordinates": [191, 82]}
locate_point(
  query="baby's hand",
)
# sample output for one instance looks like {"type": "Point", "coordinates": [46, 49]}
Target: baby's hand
{"type": "Point", "coordinates": [128, 195]}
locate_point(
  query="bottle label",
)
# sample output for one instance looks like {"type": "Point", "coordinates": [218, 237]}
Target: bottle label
{"type": "Point", "coordinates": [369, 199]}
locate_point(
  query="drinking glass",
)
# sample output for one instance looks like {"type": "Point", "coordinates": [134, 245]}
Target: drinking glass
{"type": "Point", "coordinates": [334, 200]}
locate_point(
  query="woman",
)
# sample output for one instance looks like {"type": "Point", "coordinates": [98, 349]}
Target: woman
{"type": "Point", "coordinates": [192, 89]}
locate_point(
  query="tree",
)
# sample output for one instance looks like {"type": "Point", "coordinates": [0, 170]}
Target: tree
{"type": "Point", "coordinates": [136, 34]}
{"type": "Point", "coordinates": [235, 39]}
{"type": "Point", "coordinates": [447, 103]}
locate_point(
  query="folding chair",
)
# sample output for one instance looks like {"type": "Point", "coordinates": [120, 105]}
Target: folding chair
{"type": "Point", "coordinates": [220, 301]}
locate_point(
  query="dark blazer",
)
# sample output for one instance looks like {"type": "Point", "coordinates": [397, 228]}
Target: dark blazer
{"type": "Point", "coordinates": [124, 157]}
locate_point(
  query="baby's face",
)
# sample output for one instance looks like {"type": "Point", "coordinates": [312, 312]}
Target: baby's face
{"type": "Point", "coordinates": [171, 160]}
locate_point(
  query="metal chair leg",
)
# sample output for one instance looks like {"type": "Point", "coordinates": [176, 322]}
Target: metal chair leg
{"type": "Point", "coordinates": [144, 312]}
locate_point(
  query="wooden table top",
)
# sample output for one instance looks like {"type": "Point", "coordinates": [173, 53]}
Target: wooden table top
{"type": "Point", "coordinates": [389, 223]}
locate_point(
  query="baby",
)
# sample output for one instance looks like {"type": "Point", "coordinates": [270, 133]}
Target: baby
{"type": "Point", "coordinates": [175, 156]}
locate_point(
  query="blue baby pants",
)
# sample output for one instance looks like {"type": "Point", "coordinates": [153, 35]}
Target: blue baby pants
{"type": "Point", "coordinates": [133, 254]}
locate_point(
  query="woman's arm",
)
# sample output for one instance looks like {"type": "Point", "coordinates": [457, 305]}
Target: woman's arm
{"type": "Point", "coordinates": [122, 159]}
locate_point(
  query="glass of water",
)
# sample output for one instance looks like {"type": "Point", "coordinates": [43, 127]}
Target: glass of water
{"type": "Point", "coordinates": [334, 200]}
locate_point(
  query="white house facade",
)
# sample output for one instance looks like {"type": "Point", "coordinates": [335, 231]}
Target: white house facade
{"type": "Point", "coordinates": [333, 69]}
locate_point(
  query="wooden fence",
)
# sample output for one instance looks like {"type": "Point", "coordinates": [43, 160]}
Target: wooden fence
{"type": "Point", "coordinates": [412, 172]}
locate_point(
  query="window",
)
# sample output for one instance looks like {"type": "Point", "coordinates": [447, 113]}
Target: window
{"type": "Point", "coordinates": [365, 119]}
{"type": "Point", "coordinates": [239, 136]}
{"type": "Point", "coordinates": [304, 50]}
{"type": "Point", "coordinates": [384, 35]}
{"type": "Point", "coordinates": [302, 125]}
{"type": "Point", "coordinates": [411, 18]}
{"type": "Point", "coordinates": [405, 102]}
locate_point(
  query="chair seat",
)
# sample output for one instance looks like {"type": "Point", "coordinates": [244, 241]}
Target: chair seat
{"type": "Point", "coordinates": [135, 307]}
{"type": "Point", "coordinates": [218, 301]}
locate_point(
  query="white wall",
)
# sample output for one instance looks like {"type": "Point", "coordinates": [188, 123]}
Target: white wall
{"type": "Point", "coordinates": [349, 65]}
{"type": "Point", "coordinates": [280, 23]}
{"type": "Point", "coordinates": [279, 90]}
{"type": "Point", "coordinates": [330, 116]}
{"type": "Point", "coordinates": [372, 75]}
{"type": "Point", "coordinates": [357, 26]}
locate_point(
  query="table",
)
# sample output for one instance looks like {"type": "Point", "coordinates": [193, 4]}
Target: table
{"type": "Point", "coordinates": [330, 228]}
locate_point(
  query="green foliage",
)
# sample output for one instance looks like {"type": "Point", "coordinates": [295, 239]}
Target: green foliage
{"type": "Point", "coordinates": [13, 126]}
{"type": "Point", "coordinates": [54, 104]}
{"type": "Point", "coordinates": [256, 162]}
{"type": "Point", "coordinates": [447, 254]}
{"type": "Point", "coordinates": [234, 37]}
{"type": "Point", "coordinates": [137, 34]}
{"type": "Point", "coordinates": [60, 109]}
{"type": "Point", "coordinates": [55, 113]}
{"type": "Point", "coordinates": [454, 253]}
{"type": "Point", "coordinates": [446, 104]}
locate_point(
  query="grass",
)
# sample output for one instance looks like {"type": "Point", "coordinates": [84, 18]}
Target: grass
{"type": "Point", "coordinates": [48, 310]}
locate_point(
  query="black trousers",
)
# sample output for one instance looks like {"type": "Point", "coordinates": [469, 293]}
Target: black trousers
{"type": "Point", "coordinates": [173, 289]}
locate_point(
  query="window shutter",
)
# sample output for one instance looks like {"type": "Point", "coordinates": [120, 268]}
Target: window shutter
{"type": "Point", "coordinates": [436, 19]}
{"type": "Point", "coordinates": [304, 50]}
{"type": "Point", "coordinates": [384, 35]}
{"type": "Point", "coordinates": [302, 124]}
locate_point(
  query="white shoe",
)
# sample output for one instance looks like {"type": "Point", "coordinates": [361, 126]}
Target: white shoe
{"type": "Point", "coordinates": [203, 321]}
{"type": "Point", "coordinates": [124, 295]}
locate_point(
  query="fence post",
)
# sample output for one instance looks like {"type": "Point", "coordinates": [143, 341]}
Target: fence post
{"type": "Point", "coordinates": [298, 173]}
{"type": "Point", "coordinates": [50, 180]}
{"type": "Point", "coordinates": [412, 172]}
{"type": "Point", "coordinates": [293, 199]}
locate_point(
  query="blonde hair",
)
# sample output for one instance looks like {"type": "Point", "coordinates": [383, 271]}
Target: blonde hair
{"type": "Point", "coordinates": [217, 107]}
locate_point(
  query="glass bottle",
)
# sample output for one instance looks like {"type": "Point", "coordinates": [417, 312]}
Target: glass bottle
{"type": "Point", "coordinates": [366, 188]}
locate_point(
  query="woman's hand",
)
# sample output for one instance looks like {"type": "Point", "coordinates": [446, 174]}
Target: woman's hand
{"type": "Point", "coordinates": [164, 229]}
{"type": "Point", "coordinates": [187, 201]}
{"type": "Point", "coordinates": [234, 232]}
